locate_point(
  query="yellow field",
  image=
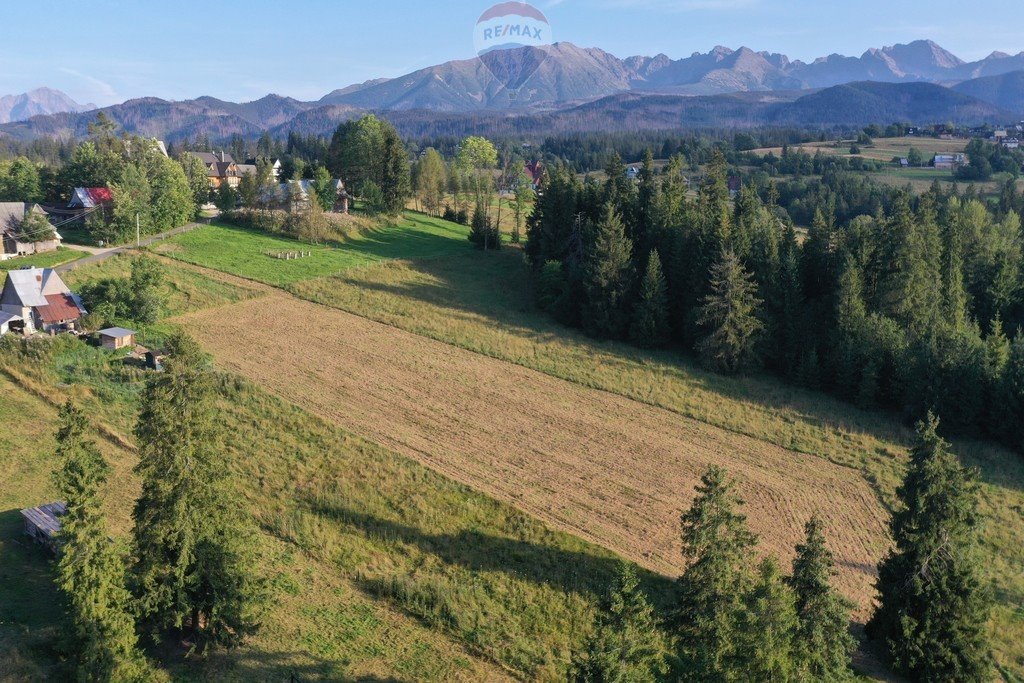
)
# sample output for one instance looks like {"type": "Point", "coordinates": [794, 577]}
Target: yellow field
{"type": "Point", "coordinates": [883, 149]}
{"type": "Point", "coordinates": [604, 467]}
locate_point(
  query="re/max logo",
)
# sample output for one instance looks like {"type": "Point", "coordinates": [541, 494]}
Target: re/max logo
{"type": "Point", "coordinates": [512, 30]}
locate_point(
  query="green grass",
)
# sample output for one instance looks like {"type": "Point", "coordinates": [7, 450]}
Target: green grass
{"type": "Point", "coordinates": [380, 567]}
{"type": "Point", "coordinates": [46, 259]}
{"type": "Point", "coordinates": [252, 254]}
{"type": "Point", "coordinates": [186, 289]}
{"type": "Point", "coordinates": [481, 302]}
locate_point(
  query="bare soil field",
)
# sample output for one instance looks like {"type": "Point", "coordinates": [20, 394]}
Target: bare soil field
{"type": "Point", "coordinates": [607, 468]}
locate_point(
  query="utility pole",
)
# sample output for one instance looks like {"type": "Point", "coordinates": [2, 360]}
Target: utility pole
{"type": "Point", "coordinates": [138, 232]}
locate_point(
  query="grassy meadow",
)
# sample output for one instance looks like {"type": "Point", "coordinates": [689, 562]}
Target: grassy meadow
{"type": "Point", "coordinates": [481, 302]}
{"type": "Point", "coordinates": [47, 259]}
{"type": "Point", "coordinates": [380, 568]}
{"type": "Point", "coordinates": [253, 255]}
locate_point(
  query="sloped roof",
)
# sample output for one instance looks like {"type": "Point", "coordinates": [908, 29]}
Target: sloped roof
{"type": "Point", "coordinates": [59, 308]}
{"type": "Point", "coordinates": [46, 517]}
{"type": "Point", "coordinates": [214, 157]}
{"type": "Point", "coordinates": [13, 213]}
{"type": "Point", "coordinates": [91, 197]}
{"type": "Point", "coordinates": [116, 332]}
{"type": "Point", "coordinates": [6, 317]}
{"type": "Point", "coordinates": [33, 285]}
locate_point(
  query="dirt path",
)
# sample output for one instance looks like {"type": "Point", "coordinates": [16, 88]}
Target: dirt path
{"type": "Point", "coordinates": [609, 469]}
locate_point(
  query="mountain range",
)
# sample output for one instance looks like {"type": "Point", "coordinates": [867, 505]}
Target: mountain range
{"type": "Point", "coordinates": [565, 85]}
{"type": "Point", "coordinates": [38, 102]}
{"type": "Point", "coordinates": [571, 74]}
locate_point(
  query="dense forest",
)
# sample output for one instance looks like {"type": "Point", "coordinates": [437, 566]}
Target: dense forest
{"type": "Point", "coordinates": [910, 303]}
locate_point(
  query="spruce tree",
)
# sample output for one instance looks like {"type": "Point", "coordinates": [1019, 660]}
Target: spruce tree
{"type": "Point", "coordinates": [91, 572]}
{"type": "Point", "coordinates": [823, 641]}
{"type": "Point", "coordinates": [933, 606]}
{"type": "Point", "coordinates": [650, 326]}
{"type": "Point", "coordinates": [627, 644]}
{"type": "Point", "coordinates": [767, 626]}
{"type": "Point", "coordinates": [192, 543]}
{"type": "Point", "coordinates": [717, 544]}
{"type": "Point", "coordinates": [729, 318]}
{"type": "Point", "coordinates": [606, 278]}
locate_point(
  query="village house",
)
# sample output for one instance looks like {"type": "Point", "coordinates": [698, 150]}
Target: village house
{"type": "Point", "coordinates": [41, 301]}
{"type": "Point", "coordinates": [275, 165]}
{"type": "Point", "coordinates": [949, 161]}
{"type": "Point", "coordinates": [90, 198]}
{"type": "Point", "coordinates": [42, 524]}
{"type": "Point", "coordinates": [294, 194]}
{"type": "Point", "coordinates": [15, 241]}
{"type": "Point", "coordinates": [221, 168]}
{"type": "Point", "coordinates": [1011, 143]}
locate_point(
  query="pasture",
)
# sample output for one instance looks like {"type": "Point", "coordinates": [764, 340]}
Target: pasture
{"type": "Point", "coordinates": [379, 567]}
{"type": "Point", "coordinates": [615, 471]}
{"type": "Point", "coordinates": [253, 255]}
{"type": "Point", "coordinates": [410, 431]}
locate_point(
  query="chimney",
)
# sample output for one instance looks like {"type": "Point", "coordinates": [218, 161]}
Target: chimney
{"type": "Point", "coordinates": [222, 157]}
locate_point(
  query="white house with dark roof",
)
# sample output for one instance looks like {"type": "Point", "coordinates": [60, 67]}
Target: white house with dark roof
{"type": "Point", "coordinates": [41, 300]}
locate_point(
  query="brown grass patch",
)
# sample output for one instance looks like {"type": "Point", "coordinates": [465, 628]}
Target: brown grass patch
{"type": "Point", "coordinates": [607, 468]}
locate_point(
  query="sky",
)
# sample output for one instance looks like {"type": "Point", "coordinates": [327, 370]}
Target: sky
{"type": "Point", "coordinates": [107, 51]}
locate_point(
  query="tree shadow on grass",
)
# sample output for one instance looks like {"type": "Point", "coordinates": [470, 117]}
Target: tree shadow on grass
{"type": "Point", "coordinates": [570, 571]}
{"type": "Point", "coordinates": [250, 665]}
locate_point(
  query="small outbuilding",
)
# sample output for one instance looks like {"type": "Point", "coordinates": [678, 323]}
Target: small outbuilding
{"type": "Point", "coordinates": [42, 524]}
{"type": "Point", "coordinates": [115, 338]}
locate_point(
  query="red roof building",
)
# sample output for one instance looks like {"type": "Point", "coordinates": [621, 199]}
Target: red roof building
{"type": "Point", "coordinates": [90, 197]}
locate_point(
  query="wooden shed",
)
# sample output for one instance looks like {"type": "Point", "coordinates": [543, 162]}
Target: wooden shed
{"type": "Point", "coordinates": [42, 524]}
{"type": "Point", "coordinates": [115, 338]}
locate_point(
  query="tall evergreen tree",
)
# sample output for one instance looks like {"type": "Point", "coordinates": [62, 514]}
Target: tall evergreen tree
{"type": "Point", "coordinates": [91, 572]}
{"type": "Point", "coordinates": [650, 327]}
{"type": "Point", "coordinates": [767, 625]}
{"type": "Point", "coordinates": [192, 544]}
{"type": "Point", "coordinates": [933, 606]}
{"type": "Point", "coordinates": [606, 278]}
{"type": "Point", "coordinates": [823, 642]}
{"type": "Point", "coordinates": [627, 645]}
{"type": "Point", "coordinates": [717, 545]}
{"type": "Point", "coordinates": [729, 318]}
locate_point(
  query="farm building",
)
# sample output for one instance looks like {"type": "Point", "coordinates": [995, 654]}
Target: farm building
{"type": "Point", "coordinates": [41, 300]}
{"type": "Point", "coordinates": [42, 524]}
{"type": "Point", "coordinates": [115, 338]}
{"type": "Point", "coordinates": [90, 197]}
{"type": "Point", "coordinates": [949, 161]}
{"type": "Point", "coordinates": [15, 241]}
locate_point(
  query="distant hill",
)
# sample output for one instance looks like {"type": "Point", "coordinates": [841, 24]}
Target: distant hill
{"type": "Point", "coordinates": [171, 121]}
{"type": "Point", "coordinates": [1005, 91]}
{"type": "Point", "coordinates": [40, 101]}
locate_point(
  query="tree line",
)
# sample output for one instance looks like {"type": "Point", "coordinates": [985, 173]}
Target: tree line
{"type": "Point", "coordinates": [739, 619]}
{"type": "Point", "coordinates": [186, 574]}
{"type": "Point", "coordinates": [916, 307]}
